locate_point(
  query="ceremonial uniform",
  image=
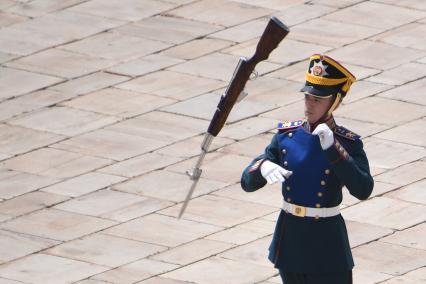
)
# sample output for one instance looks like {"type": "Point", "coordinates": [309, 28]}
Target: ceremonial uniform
{"type": "Point", "coordinates": [310, 239]}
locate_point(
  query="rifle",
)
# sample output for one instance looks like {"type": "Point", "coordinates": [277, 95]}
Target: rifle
{"type": "Point", "coordinates": [273, 34]}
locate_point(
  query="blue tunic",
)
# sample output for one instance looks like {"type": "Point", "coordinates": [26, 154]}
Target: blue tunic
{"type": "Point", "coordinates": [306, 244]}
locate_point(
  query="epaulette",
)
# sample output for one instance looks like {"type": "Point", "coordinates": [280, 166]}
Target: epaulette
{"type": "Point", "coordinates": [346, 133]}
{"type": "Point", "coordinates": [290, 125]}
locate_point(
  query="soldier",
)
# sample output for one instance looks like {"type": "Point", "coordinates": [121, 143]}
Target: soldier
{"type": "Point", "coordinates": [314, 158]}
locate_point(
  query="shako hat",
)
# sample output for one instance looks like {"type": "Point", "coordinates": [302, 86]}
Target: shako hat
{"type": "Point", "coordinates": [326, 77]}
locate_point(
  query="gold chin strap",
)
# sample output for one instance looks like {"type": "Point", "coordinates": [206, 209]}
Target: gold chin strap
{"type": "Point", "coordinates": [335, 104]}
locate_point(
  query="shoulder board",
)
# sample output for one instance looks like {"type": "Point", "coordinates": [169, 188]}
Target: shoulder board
{"type": "Point", "coordinates": [346, 133]}
{"type": "Point", "coordinates": [290, 125]}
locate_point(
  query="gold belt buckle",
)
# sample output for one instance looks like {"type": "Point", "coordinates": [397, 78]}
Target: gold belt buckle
{"type": "Point", "coordinates": [299, 211]}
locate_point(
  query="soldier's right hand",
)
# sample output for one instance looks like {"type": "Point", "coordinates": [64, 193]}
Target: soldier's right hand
{"type": "Point", "coordinates": [273, 172]}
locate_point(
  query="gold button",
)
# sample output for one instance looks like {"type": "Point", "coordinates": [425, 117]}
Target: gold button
{"type": "Point", "coordinates": [285, 163]}
{"type": "Point", "coordinates": [327, 171]}
{"type": "Point", "coordinates": [322, 182]}
{"type": "Point", "coordinates": [316, 217]}
{"type": "Point", "coordinates": [290, 134]}
{"type": "Point", "coordinates": [319, 194]}
{"type": "Point", "coordinates": [284, 151]}
{"type": "Point", "coordinates": [317, 205]}
{"type": "Point", "coordinates": [289, 199]}
{"type": "Point", "coordinates": [288, 188]}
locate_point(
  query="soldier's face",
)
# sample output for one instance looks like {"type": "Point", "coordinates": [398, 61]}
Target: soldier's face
{"type": "Point", "coordinates": [316, 107]}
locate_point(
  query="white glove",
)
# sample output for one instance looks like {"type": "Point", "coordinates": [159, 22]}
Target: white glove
{"type": "Point", "coordinates": [325, 135]}
{"type": "Point", "coordinates": [273, 172]}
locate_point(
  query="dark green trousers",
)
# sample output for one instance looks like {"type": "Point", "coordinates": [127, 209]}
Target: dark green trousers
{"type": "Point", "coordinates": [316, 278]}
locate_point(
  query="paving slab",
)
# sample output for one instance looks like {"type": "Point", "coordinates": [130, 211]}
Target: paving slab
{"type": "Point", "coordinates": [220, 268]}
{"type": "Point", "coordinates": [72, 64]}
{"type": "Point", "coordinates": [89, 83]}
{"type": "Point", "coordinates": [305, 11]}
{"type": "Point", "coordinates": [125, 10]}
{"type": "Point", "coordinates": [272, 90]}
{"type": "Point", "coordinates": [141, 164]}
{"type": "Point", "coordinates": [177, 86]}
{"type": "Point", "coordinates": [105, 250]}
{"type": "Point", "coordinates": [192, 146]}
{"type": "Point", "coordinates": [221, 66]}
{"type": "Point", "coordinates": [30, 102]}
{"type": "Point", "coordinates": [15, 245]}
{"type": "Point", "coordinates": [375, 55]}
{"type": "Point", "coordinates": [110, 144]}
{"type": "Point", "coordinates": [11, 80]}
{"type": "Point", "coordinates": [25, 41]}
{"type": "Point", "coordinates": [120, 47]}
{"type": "Point", "coordinates": [272, 4]}
{"type": "Point", "coordinates": [413, 193]}
{"type": "Point", "coordinates": [240, 234]}
{"type": "Point", "coordinates": [57, 225]}
{"type": "Point", "coordinates": [363, 89]}
{"type": "Point", "coordinates": [412, 237]}
{"type": "Point", "coordinates": [386, 212]}
{"type": "Point", "coordinates": [388, 155]}
{"type": "Point", "coordinates": [7, 19]}
{"type": "Point", "coordinates": [411, 133]}
{"type": "Point", "coordinates": [63, 164]}
{"type": "Point", "coordinates": [216, 166]}
{"type": "Point", "coordinates": [41, 7]}
{"type": "Point", "coordinates": [362, 128]}
{"type": "Point", "coordinates": [67, 25]}
{"type": "Point", "coordinates": [405, 3]}
{"type": "Point", "coordinates": [42, 268]}
{"type": "Point", "coordinates": [204, 107]}
{"type": "Point", "coordinates": [250, 147]}
{"type": "Point", "coordinates": [293, 111]}
{"type": "Point", "coordinates": [197, 48]}
{"type": "Point", "coordinates": [17, 140]}
{"type": "Point", "coordinates": [255, 252]}
{"type": "Point", "coordinates": [404, 175]}
{"type": "Point", "coordinates": [135, 271]}
{"type": "Point", "coordinates": [269, 195]}
{"type": "Point", "coordinates": [375, 109]}
{"type": "Point", "coordinates": [167, 29]}
{"type": "Point", "coordinates": [103, 203]}
{"type": "Point", "coordinates": [30, 202]}
{"type": "Point", "coordinates": [362, 233]}
{"type": "Point", "coordinates": [22, 183]}
{"type": "Point", "coordinates": [289, 51]}
{"type": "Point", "coordinates": [219, 211]}
{"type": "Point", "coordinates": [221, 12]}
{"type": "Point", "coordinates": [368, 276]}
{"type": "Point", "coordinates": [144, 65]}
{"type": "Point", "coordinates": [411, 92]}
{"type": "Point", "coordinates": [5, 57]}
{"type": "Point", "coordinates": [243, 32]}
{"type": "Point", "coordinates": [63, 120]}
{"type": "Point", "coordinates": [388, 258]}
{"type": "Point", "coordinates": [83, 184]}
{"type": "Point", "coordinates": [405, 36]}
{"type": "Point", "coordinates": [192, 252]}
{"type": "Point", "coordinates": [400, 75]}
{"type": "Point", "coordinates": [331, 33]}
{"type": "Point", "coordinates": [118, 102]}
{"type": "Point", "coordinates": [161, 280]}
{"type": "Point", "coordinates": [376, 15]}
{"type": "Point", "coordinates": [162, 230]}
{"type": "Point", "coordinates": [167, 185]}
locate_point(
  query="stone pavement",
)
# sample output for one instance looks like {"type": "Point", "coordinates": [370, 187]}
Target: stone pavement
{"type": "Point", "coordinates": [102, 109]}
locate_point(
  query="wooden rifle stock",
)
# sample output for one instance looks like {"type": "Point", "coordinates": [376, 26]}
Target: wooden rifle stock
{"type": "Point", "coordinates": [274, 32]}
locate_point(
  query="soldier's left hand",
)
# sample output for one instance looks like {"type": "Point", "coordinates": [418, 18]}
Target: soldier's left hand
{"type": "Point", "coordinates": [325, 135]}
